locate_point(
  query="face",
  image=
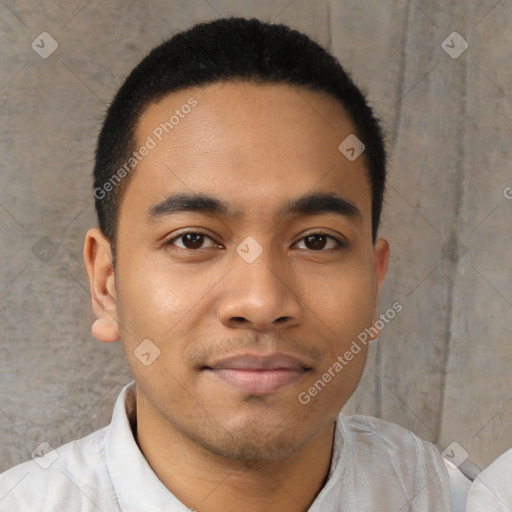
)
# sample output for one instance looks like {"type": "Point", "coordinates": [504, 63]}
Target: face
{"type": "Point", "coordinates": [252, 293]}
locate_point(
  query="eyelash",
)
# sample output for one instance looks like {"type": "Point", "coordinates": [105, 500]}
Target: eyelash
{"type": "Point", "coordinates": [339, 243]}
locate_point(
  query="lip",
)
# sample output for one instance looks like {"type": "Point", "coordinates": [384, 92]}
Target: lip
{"type": "Point", "coordinates": [258, 374]}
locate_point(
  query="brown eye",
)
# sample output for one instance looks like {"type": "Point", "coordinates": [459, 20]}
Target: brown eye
{"type": "Point", "coordinates": [320, 241]}
{"type": "Point", "coordinates": [316, 241]}
{"type": "Point", "coordinates": [190, 240]}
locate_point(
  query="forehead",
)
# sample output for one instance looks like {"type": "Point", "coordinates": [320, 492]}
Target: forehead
{"type": "Point", "coordinates": [249, 143]}
{"type": "Point", "coordinates": [221, 107]}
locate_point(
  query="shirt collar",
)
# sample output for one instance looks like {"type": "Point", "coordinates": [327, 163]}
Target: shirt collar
{"type": "Point", "coordinates": [136, 485]}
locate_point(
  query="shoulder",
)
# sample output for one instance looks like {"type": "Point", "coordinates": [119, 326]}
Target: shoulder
{"type": "Point", "coordinates": [71, 477]}
{"type": "Point", "coordinates": [396, 462]}
{"type": "Point", "coordinates": [491, 489]}
{"type": "Point", "coordinates": [387, 439]}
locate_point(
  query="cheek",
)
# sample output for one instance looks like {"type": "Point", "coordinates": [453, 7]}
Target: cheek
{"type": "Point", "coordinates": [328, 390]}
{"type": "Point", "coordinates": [344, 300]}
{"type": "Point", "coordinates": [152, 300]}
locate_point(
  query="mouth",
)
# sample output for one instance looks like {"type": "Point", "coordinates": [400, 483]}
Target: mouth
{"type": "Point", "coordinates": [258, 374]}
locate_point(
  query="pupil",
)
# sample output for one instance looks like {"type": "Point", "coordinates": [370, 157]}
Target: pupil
{"type": "Point", "coordinates": [193, 240]}
{"type": "Point", "coordinates": [314, 239]}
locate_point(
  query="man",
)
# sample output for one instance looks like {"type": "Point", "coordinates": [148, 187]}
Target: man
{"type": "Point", "coordinates": [239, 181]}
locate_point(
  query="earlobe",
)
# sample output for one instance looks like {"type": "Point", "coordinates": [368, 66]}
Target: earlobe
{"type": "Point", "coordinates": [105, 331]}
{"type": "Point", "coordinates": [98, 261]}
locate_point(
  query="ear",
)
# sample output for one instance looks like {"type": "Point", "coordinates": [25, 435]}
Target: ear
{"type": "Point", "coordinates": [380, 264]}
{"type": "Point", "coordinates": [98, 261]}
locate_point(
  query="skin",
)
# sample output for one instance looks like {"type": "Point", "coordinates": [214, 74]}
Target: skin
{"type": "Point", "coordinates": [216, 447]}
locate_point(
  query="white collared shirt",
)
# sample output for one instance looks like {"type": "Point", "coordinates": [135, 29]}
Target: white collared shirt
{"type": "Point", "coordinates": [492, 488]}
{"type": "Point", "coordinates": [376, 466]}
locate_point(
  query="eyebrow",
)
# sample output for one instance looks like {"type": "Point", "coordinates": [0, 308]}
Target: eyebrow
{"type": "Point", "coordinates": [308, 204]}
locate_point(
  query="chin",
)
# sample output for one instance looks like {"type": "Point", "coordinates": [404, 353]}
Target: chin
{"type": "Point", "coordinates": [253, 449]}
{"type": "Point", "coordinates": [251, 441]}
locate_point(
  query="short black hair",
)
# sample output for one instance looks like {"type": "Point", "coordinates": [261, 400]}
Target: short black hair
{"type": "Point", "coordinates": [227, 49]}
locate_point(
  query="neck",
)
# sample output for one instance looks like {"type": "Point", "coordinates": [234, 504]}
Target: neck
{"type": "Point", "coordinates": [206, 482]}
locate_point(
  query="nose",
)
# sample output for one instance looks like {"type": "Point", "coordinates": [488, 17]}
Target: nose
{"type": "Point", "coordinates": [260, 295]}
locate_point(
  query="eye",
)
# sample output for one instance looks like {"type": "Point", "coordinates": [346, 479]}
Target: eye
{"type": "Point", "coordinates": [194, 240]}
{"type": "Point", "coordinates": [191, 240]}
{"type": "Point", "coordinates": [318, 241]}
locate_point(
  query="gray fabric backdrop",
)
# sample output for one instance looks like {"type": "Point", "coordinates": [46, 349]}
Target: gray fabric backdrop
{"type": "Point", "coordinates": [441, 367]}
